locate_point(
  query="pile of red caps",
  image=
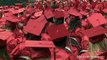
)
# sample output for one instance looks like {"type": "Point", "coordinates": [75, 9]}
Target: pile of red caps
{"type": "Point", "coordinates": [44, 31]}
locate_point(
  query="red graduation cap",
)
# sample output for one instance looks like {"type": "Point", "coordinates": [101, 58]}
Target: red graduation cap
{"type": "Point", "coordinates": [59, 14]}
{"type": "Point", "coordinates": [5, 35]}
{"type": "Point", "coordinates": [5, 10]}
{"type": "Point", "coordinates": [19, 5]}
{"type": "Point", "coordinates": [83, 12]}
{"type": "Point", "coordinates": [59, 9]}
{"type": "Point", "coordinates": [57, 31]}
{"type": "Point", "coordinates": [97, 19]}
{"type": "Point", "coordinates": [30, 9]}
{"type": "Point", "coordinates": [8, 14]}
{"type": "Point", "coordinates": [38, 14]}
{"type": "Point", "coordinates": [12, 18]}
{"type": "Point", "coordinates": [36, 26]}
{"type": "Point", "coordinates": [94, 33]}
{"type": "Point", "coordinates": [39, 44]}
{"type": "Point", "coordinates": [74, 12]}
{"type": "Point", "coordinates": [14, 11]}
{"type": "Point", "coordinates": [3, 19]}
{"type": "Point", "coordinates": [21, 10]}
{"type": "Point", "coordinates": [23, 18]}
{"type": "Point", "coordinates": [18, 11]}
{"type": "Point", "coordinates": [27, 14]}
{"type": "Point", "coordinates": [105, 10]}
{"type": "Point", "coordinates": [48, 13]}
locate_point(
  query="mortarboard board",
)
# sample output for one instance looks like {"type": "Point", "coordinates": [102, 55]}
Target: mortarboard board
{"type": "Point", "coordinates": [36, 44]}
{"type": "Point", "coordinates": [19, 5]}
{"type": "Point", "coordinates": [21, 10]}
{"type": "Point", "coordinates": [36, 26]}
{"type": "Point", "coordinates": [39, 44]}
{"type": "Point", "coordinates": [59, 9]}
{"type": "Point", "coordinates": [23, 18]}
{"type": "Point", "coordinates": [8, 14]}
{"type": "Point", "coordinates": [5, 10]}
{"type": "Point", "coordinates": [14, 11]}
{"type": "Point", "coordinates": [48, 13]}
{"type": "Point", "coordinates": [83, 13]}
{"type": "Point", "coordinates": [96, 19]}
{"type": "Point", "coordinates": [94, 32]}
{"type": "Point", "coordinates": [29, 11]}
{"type": "Point", "coordinates": [74, 12]}
{"type": "Point", "coordinates": [38, 14]}
{"type": "Point", "coordinates": [3, 19]}
{"type": "Point", "coordinates": [59, 14]}
{"type": "Point", "coordinates": [12, 18]}
{"type": "Point", "coordinates": [28, 14]}
{"type": "Point", "coordinates": [105, 10]}
{"type": "Point", "coordinates": [57, 31]}
{"type": "Point", "coordinates": [18, 11]}
{"type": "Point", "coordinates": [5, 35]}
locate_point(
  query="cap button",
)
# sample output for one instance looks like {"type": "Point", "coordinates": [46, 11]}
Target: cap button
{"type": "Point", "coordinates": [57, 31]}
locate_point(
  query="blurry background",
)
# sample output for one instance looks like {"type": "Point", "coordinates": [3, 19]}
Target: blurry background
{"type": "Point", "coordinates": [12, 2]}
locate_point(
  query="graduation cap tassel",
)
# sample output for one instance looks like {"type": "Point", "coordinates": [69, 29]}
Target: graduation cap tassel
{"type": "Point", "coordinates": [68, 42]}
